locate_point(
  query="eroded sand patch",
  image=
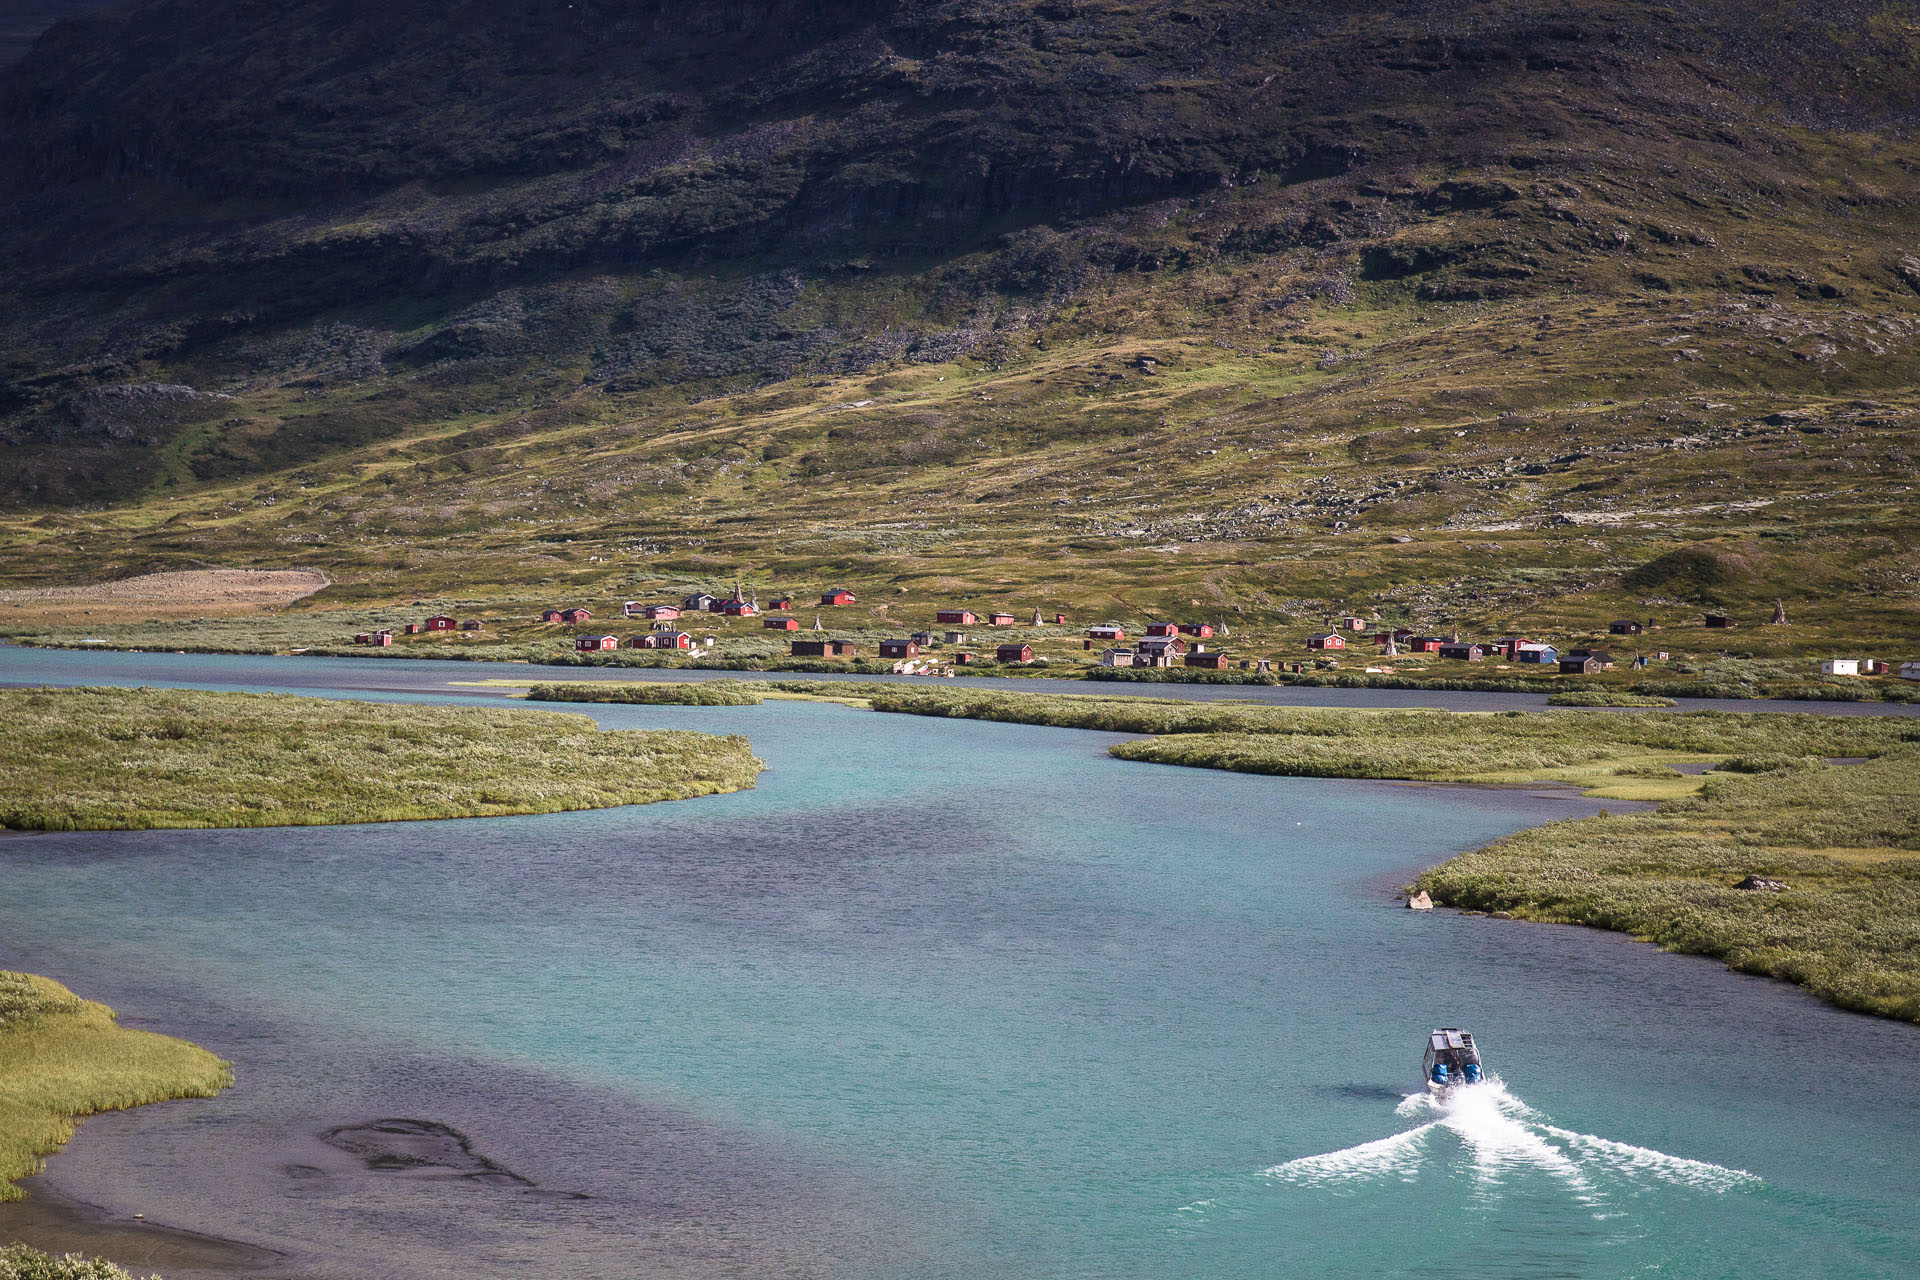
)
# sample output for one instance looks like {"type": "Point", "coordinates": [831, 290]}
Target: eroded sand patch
{"type": "Point", "coordinates": [180, 594]}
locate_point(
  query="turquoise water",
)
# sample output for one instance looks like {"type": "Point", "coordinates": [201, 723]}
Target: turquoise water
{"type": "Point", "coordinates": [952, 999]}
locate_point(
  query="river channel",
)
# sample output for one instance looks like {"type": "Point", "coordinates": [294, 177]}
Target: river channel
{"type": "Point", "coordinates": [937, 999]}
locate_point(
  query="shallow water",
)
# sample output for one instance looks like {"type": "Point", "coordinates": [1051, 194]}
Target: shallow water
{"type": "Point", "coordinates": [945, 999]}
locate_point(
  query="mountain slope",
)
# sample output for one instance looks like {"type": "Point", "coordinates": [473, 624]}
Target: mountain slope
{"type": "Point", "coordinates": [951, 284]}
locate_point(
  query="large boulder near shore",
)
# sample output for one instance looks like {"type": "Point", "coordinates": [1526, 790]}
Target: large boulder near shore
{"type": "Point", "coordinates": [1762, 884]}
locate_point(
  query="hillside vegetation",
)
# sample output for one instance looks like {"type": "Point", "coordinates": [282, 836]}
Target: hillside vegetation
{"type": "Point", "coordinates": [1473, 313]}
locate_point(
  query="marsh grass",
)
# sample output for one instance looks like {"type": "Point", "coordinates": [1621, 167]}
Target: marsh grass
{"type": "Point", "coordinates": [1845, 840]}
{"type": "Point", "coordinates": [706, 693]}
{"type": "Point", "coordinates": [101, 759]}
{"type": "Point", "coordinates": [62, 1057]}
{"type": "Point", "coordinates": [1607, 698]}
{"type": "Point", "coordinates": [1424, 745]}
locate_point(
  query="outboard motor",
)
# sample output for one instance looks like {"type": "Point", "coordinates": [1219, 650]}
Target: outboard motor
{"type": "Point", "coordinates": [1473, 1073]}
{"type": "Point", "coordinates": [1439, 1073]}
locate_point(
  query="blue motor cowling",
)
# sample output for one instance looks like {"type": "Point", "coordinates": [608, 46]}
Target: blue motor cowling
{"type": "Point", "coordinates": [1439, 1073]}
{"type": "Point", "coordinates": [1473, 1073]}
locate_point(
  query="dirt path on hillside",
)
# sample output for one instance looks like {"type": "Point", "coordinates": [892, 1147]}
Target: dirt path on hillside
{"type": "Point", "coordinates": [190, 593]}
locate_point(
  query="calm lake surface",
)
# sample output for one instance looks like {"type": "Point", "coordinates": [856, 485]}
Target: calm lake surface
{"type": "Point", "coordinates": [938, 999]}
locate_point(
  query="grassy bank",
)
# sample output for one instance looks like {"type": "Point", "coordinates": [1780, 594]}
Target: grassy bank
{"type": "Point", "coordinates": [706, 693]}
{"type": "Point", "coordinates": [1619, 757]}
{"type": "Point", "coordinates": [1845, 842]}
{"type": "Point", "coordinates": [1844, 839]}
{"type": "Point", "coordinates": [1605, 698]}
{"type": "Point", "coordinates": [99, 759]}
{"type": "Point", "coordinates": [62, 1057]}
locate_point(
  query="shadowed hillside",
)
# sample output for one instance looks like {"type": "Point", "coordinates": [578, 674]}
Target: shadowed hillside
{"type": "Point", "coordinates": [23, 21]}
{"type": "Point", "coordinates": [1285, 304]}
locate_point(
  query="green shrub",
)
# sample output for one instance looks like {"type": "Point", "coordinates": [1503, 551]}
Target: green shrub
{"type": "Point", "coordinates": [19, 1262]}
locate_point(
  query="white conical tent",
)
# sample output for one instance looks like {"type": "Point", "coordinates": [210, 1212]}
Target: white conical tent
{"type": "Point", "coordinates": [1392, 649]}
{"type": "Point", "coordinates": [1779, 613]}
{"type": "Point", "coordinates": [816, 623]}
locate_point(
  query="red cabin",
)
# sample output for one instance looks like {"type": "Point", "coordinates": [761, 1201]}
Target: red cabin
{"type": "Point", "coordinates": [1201, 630]}
{"type": "Point", "coordinates": [473, 624]}
{"type": "Point", "coordinates": [1059, 619]}
{"type": "Point", "coordinates": [781, 624]}
{"type": "Point", "coordinates": [441, 622]}
{"type": "Point", "coordinates": [664, 640]}
{"type": "Point", "coordinates": [1000, 619]}
{"type": "Point", "coordinates": [780, 602]}
{"type": "Point", "coordinates": [739, 609]}
{"type": "Point", "coordinates": [1013, 653]}
{"type": "Point", "coordinates": [956, 617]}
{"type": "Point", "coordinates": [576, 615]}
{"type": "Point", "coordinates": [591, 644]}
{"type": "Point", "coordinates": [551, 615]}
{"type": "Point", "coordinates": [1163, 628]}
{"type": "Point", "coordinates": [413, 628]}
{"type": "Point", "coordinates": [1107, 631]}
{"type": "Point", "coordinates": [1326, 640]}
{"type": "Point", "coordinates": [837, 596]}
{"type": "Point", "coordinates": [824, 648]}
{"type": "Point", "coordinates": [381, 639]}
{"type": "Point", "coordinates": [899, 649]}
{"type": "Point", "coordinates": [1211, 660]}
{"type": "Point", "coordinates": [661, 612]}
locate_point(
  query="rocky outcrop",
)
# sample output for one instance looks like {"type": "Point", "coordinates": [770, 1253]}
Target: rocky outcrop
{"type": "Point", "coordinates": [129, 412]}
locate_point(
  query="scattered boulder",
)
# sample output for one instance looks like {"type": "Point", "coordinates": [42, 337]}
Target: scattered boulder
{"type": "Point", "coordinates": [1762, 884]}
{"type": "Point", "coordinates": [1908, 269]}
{"type": "Point", "coordinates": [1420, 902]}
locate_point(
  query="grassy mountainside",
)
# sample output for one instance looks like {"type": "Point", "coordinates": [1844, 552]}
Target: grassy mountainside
{"type": "Point", "coordinates": [1461, 314]}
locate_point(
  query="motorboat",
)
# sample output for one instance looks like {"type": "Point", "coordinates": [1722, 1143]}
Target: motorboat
{"type": "Point", "coordinates": [1452, 1060]}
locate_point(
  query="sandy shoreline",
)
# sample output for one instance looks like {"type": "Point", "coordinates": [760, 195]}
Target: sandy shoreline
{"type": "Point", "coordinates": [56, 1225]}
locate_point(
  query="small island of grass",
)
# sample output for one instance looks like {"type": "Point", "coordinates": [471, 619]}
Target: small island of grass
{"type": "Point", "coordinates": [704, 693]}
{"type": "Point", "coordinates": [1606, 698]}
{"type": "Point", "coordinates": [62, 1057]}
{"type": "Point", "coordinates": [114, 759]}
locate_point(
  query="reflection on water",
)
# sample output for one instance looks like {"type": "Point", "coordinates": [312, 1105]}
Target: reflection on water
{"type": "Point", "coordinates": [948, 999]}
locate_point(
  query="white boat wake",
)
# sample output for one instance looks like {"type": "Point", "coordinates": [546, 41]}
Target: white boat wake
{"type": "Point", "coordinates": [1494, 1135]}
